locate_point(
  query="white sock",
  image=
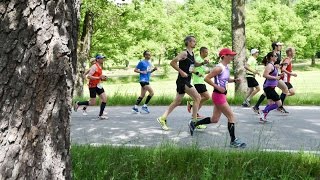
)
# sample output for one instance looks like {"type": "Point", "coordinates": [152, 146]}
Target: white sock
{"type": "Point", "coordinates": [135, 106]}
{"type": "Point", "coordinates": [144, 105]}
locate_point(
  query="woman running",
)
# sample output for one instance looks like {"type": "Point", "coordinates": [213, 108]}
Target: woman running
{"type": "Point", "coordinates": [221, 75]}
{"type": "Point", "coordinates": [271, 82]}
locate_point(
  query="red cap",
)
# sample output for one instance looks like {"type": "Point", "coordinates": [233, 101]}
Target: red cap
{"type": "Point", "coordinates": [226, 51]}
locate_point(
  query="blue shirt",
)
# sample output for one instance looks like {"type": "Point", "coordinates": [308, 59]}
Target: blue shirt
{"type": "Point", "coordinates": [144, 65]}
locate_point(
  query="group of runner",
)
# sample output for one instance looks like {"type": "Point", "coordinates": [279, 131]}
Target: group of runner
{"type": "Point", "coordinates": [277, 74]}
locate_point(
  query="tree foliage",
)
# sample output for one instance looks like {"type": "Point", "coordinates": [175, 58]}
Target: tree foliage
{"type": "Point", "coordinates": [124, 32]}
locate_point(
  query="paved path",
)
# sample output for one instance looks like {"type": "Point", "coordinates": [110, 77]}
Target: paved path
{"type": "Point", "coordinates": [299, 130]}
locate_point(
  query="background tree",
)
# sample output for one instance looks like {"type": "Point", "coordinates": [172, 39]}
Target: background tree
{"type": "Point", "coordinates": [239, 44]}
{"type": "Point", "coordinates": [309, 11]}
{"type": "Point", "coordinates": [38, 42]}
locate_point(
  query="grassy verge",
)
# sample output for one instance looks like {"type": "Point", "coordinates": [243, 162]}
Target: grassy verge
{"type": "Point", "coordinates": [168, 162]}
{"type": "Point", "coordinates": [124, 99]}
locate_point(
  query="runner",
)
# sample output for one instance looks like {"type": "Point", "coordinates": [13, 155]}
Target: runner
{"type": "Point", "coordinates": [144, 68]}
{"type": "Point", "coordinates": [186, 63]}
{"type": "Point", "coordinates": [271, 82]}
{"type": "Point", "coordinates": [252, 69]}
{"type": "Point", "coordinates": [276, 47]}
{"type": "Point", "coordinates": [286, 68]}
{"type": "Point", "coordinates": [221, 75]}
{"type": "Point", "coordinates": [95, 77]}
{"type": "Point", "coordinates": [92, 62]}
{"type": "Point", "coordinates": [198, 80]}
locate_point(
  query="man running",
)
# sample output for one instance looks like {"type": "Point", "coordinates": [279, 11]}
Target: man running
{"type": "Point", "coordinates": [95, 77]}
{"type": "Point", "coordinates": [144, 68]}
{"type": "Point", "coordinates": [287, 70]}
{"type": "Point", "coordinates": [198, 75]}
{"type": "Point", "coordinates": [251, 71]}
{"type": "Point", "coordinates": [182, 63]}
{"type": "Point", "coordinates": [276, 47]}
{"type": "Point", "coordinates": [221, 75]}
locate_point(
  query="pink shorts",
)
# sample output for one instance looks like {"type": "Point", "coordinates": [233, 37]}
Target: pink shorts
{"type": "Point", "coordinates": [218, 98]}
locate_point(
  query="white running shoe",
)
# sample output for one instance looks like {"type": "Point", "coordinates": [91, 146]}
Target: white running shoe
{"type": "Point", "coordinates": [103, 117]}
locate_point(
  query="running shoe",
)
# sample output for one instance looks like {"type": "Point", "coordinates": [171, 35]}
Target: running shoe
{"type": "Point", "coordinates": [189, 106]}
{"type": "Point", "coordinates": [201, 126]}
{"type": "Point", "coordinates": [256, 109]}
{"type": "Point", "coordinates": [191, 127]}
{"type": "Point", "coordinates": [263, 117]}
{"type": "Point", "coordinates": [103, 117]}
{"type": "Point", "coordinates": [237, 144]}
{"type": "Point", "coordinates": [84, 112]}
{"type": "Point", "coordinates": [245, 105]}
{"type": "Point", "coordinates": [135, 110]}
{"type": "Point", "coordinates": [145, 109]}
{"type": "Point", "coordinates": [163, 123]}
{"type": "Point", "coordinates": [283, 110]}
{"type": "Point", "coordinates": [76, 106]}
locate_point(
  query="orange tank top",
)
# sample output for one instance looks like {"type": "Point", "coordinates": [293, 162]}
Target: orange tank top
{"type": "Point", "coordinates": [94, 82]}
{"type": "Point", "coordinates": [287, 77]}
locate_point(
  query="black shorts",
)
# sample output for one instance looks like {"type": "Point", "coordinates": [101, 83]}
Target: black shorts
{"type": "Point", "coordinates": [94, 91]}
{"type": "Point", "coordinates": [252, 82]}
{"type": "Point", "coordinates": [289, 85]}
{"type": "Point", "coordinates": [271, 93]}
{"type": "Point", "coordinates": [144, 84]}
{"type": "Point", "coordinates": [201, 88]}
{"type": "Point", "coordinates": [181, 83]}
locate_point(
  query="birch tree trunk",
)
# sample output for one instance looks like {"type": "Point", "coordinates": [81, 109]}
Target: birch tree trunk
{"type": "Point", "coordinates": [239, 44]}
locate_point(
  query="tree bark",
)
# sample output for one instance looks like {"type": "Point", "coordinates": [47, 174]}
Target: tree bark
{"type": "Point", "coordinates": [239, 44]}
{"type": "Point", "coordinates": [84, 51]}
{"type": "Point", "coordinates": [38, 41]}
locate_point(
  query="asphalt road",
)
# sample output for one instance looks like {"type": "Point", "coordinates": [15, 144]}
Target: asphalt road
{"type": "Point", "coordinates": [299, 130]}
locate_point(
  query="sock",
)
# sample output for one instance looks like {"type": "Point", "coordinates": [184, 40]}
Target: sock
{"type": "Point", "coordinates": [83, 103]}
{"type": "Point", "coordinates": [248, 99]}
{"type": "Point", "coordinates": [84, 108]}
{"type": "Point", "coordinates": [139, 100]}
{"type": "Point", "coordinates": [231, 131]}
{"type": "Point", "coordinates": [206, 120]}
{"type": "Point", "coordinates": [148, 99]}
{"type": "Point", "coordinates": [282, 97]}
{"type": "Point", "coordinates": [102, 106]}
{"type": "Point", "coordinates": [270, 108]}
{"type": "Point", "coordinates": [261, 98]}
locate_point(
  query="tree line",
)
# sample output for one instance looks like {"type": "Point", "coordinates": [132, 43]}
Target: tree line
{"type": "Point", "coordinates": [123, 32]}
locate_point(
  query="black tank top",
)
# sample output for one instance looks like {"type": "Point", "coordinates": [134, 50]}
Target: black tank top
{"type": "Point", "coordinates": [184, 65]}
{"type": "Point", "coordinates": [278, 58]}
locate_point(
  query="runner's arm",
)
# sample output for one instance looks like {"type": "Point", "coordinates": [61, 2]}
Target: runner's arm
{"type": "Point", "coordinates": [180, 57]}
{"type": "Point", "coordinates": [217, 70]}
{"type": "Point", "coordinates": [267, 71]}
{"type": "Point", "coordinates": [91, 72]}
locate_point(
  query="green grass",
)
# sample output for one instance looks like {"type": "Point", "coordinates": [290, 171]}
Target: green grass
{"type": "Point", "coordinates": [169, 162]}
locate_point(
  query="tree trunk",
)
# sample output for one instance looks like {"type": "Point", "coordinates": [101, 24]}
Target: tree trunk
{"type": "Point", "coordinates": [84, 51]}
{"type": "Point", "coordinates": [38, 42]}
{"type": "Point", "coordinates": [313, 60]}
{"type": "Point", "coordinates": [239, 44]}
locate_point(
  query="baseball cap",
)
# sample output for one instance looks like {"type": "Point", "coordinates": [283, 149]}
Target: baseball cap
{"type": "Point", "coordinates": [277, 43]}
{"type": "Point", "coordinates": [253, 51]}
{"type": "Point", "coordinates": [226, 51]}
{"type": "Point", "coordinates": [98, 56]}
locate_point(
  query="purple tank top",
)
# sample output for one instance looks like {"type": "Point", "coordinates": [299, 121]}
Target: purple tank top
{"type": "Point", "coordinates": [223, 77]}
{"type": "Point", "coordinates": [271, 82]}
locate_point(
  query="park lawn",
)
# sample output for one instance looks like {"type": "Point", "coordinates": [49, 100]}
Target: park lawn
{"type": "Point", "coordinates": [171, 162]}
{"type": "Point", "coordinates": [307, 86]}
